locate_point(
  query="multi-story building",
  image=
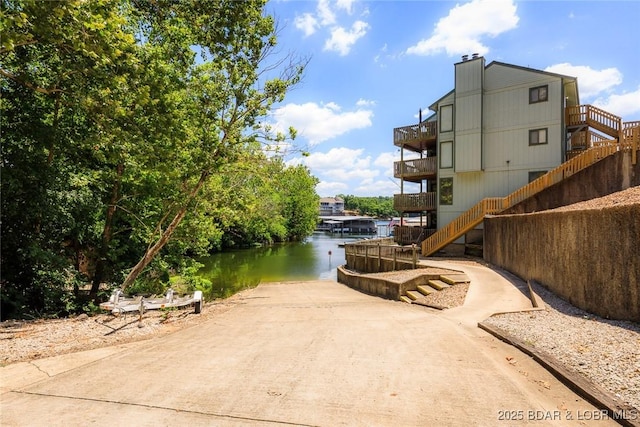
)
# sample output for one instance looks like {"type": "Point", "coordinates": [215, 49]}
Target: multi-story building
{"type": "Point", "coordinates": [331, 206]}
{"type": "Point", "coordinates": [501, 128]}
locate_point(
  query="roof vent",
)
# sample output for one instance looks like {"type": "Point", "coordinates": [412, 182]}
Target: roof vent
{"type": "Point", "coordinates": [475, 56]}
{"type": "Point", "coordinates": [465, 58]}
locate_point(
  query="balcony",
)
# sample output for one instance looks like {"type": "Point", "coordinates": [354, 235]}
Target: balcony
{"type": "Point", "coordinates": [404, 235]}
{"type": "Point", "coordinates": [416, 138]}
{"type": "Point", "coordinates": [416, 202]}
{"type": "Point", "coordinates": [416, 170]}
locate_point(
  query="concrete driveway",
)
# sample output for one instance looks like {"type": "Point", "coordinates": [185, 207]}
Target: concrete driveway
{"type": "Point", "coordinates": [299, 353]}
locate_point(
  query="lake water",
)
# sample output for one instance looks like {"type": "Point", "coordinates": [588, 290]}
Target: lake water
{"type": "Point", "coordinates": [232, 271]}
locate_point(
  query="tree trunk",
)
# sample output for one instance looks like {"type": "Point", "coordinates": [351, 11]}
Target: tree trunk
{"type": "Point", "coordinates": [152, 251]}
{"type": "Point", "coordinates": [107, 233]}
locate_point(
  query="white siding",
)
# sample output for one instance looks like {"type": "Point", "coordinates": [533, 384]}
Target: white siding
{"type": "Point", "coordinates": [508, 118]}
{"type": "Point", "coordinates": [468, 115]}
{"type": "Point", "coordinates": [492, 120]}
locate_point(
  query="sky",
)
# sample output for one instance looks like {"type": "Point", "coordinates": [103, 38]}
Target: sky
{"type": "Point", "coordinates": [374, 64]}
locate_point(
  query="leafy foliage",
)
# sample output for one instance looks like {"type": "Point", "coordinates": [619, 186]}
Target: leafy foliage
{"type": "Point", "coordinates": [379, 207]}
{"type": "Point", "coordinates": [124, 146]}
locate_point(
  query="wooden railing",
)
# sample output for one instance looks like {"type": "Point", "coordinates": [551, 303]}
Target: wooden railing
{"type": "Point", "coordinates": [406, 235]}
{"type": "Point", "coordinates": [407, 134]}
{"type": "Point", "coordinates": [632, 140]}
{"type": "Point", "coordinates": [594, 117]}
{"type": "Point", "coordinates": [462, 224]}
{"type": "Point", "coordinates": [414, 202]}
{"type": "Point", "coordinates": [474, 216]}
{"type": "Point", "coordinates": [378, 249]}
{"type": "Point", "coordinates": [415, 167]}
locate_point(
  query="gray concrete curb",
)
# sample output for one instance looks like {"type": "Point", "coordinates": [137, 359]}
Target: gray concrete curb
{"type": "Point", "coordinates": [625, 415]}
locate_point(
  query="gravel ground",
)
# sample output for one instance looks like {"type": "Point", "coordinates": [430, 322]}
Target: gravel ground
{"type": "Point", "coordinates": [630, 196]}
{"type": "Point", "coordinates": [607, 352]}
{"type": "Point", "coordinates": [28, 340]}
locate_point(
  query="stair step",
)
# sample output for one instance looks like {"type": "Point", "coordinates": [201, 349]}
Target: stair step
{"type": "Point", "coordinates": [425, 290]}
{"type": "Point", "coordinates": [454, 279]}
{"type": "Point", "coordinates": [414, 295]}
{"type": "Point", "coordinates": [438, 284]}
{"type": "Point", "coordinates": [406, 299]}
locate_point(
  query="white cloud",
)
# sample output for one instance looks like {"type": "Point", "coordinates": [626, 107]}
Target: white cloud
{"type": "Point", "coordinates": [377, 188]}
{"type": "Point", "coordinates": [346, 5]}
{"type": "Point", "coordinates": [318, 123]}
{"type": "Point", "coordinates": [327, 17]}
{"type": "Point", "coordinates": [462, 30]}
{"type": "Point", "coordinates": [341, 163]}
{"type": "Point", "coordinates": [626, 105]}
{"type": "Point", "coordinates": [307, 23]}
{"type": "Point", "coordinates": [330, 189]}
{"type": "Point", "coordinates": [340, 169]}
{"type": "Point", "coordinates": [365, 103]}
{"type": "Point", "coordinates": [385, 160]}
{"type": "Point", "coordinates": [590, 82]}
{"type": "Point", "coordinates": [342, 40]}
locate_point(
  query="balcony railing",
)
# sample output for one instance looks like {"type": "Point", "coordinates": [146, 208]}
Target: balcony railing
{"type": "Point", "coordinates": [406, 235]}
{"type": "Point", "coordinates": [415, 202]}
{"type": "Point", "coordinates": [415, 136]}
{"type": "Point", "coordinates": [416, 168]}
{"type": "Point", "coordinates": [594, 117]}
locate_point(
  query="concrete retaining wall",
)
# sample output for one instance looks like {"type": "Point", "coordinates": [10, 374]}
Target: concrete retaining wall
{"type": "Point", "coordinates": [590, 258]}
{"type": "Point", "coordinates": [379, 286]}
{"type": "Point", "coordinates": [611, 174]}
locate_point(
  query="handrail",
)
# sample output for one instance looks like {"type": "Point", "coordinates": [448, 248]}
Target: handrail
{"type": "Point", "coordinates": [414, 201]}
{"type": "Point", "coordinates": [594, 117]}
{"type": "Point", "coordinates": [627, 138]}
{"type": "Point", "coordinates": [381, 251]}
{"type": "Point", "coordinates": [415, 167]}
{"type": "Point", "coordinates": [424, 130]}
{"type": "Point", "coordinates": [474, 216]}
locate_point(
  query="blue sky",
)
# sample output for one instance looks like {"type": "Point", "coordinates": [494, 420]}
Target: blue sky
{"type": "Point", "coordinates": [374, 64]}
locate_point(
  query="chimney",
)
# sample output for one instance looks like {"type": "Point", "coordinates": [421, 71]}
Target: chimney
{"type": "Point", "coordinates": [475, 56]}
{"type": "Point", "coordinates": [465, 58]}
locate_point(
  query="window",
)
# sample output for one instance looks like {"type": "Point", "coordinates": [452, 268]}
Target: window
{"type": "Point", "coordinates": [446, 118]}
{"type": "Point", "coordinates": [446, 154]}
{"type": "Point", "coordinates": [533, 175]}
{"type": "Point", "coordinates": [446, 191]}
{"type": "Point", "coordinates": [537, 136]}
{"type": "Point", "coordinates": [538, 94]}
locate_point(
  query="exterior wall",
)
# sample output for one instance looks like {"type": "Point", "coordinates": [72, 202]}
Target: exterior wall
{"type": "Point", "coordinates": [509, 117]}
{"type": "Point", "coordinates": [381, 287]}
{"type": "Point", "coordinates": [469, 82]}
{"type": "Point", "coordinates": [565, 250]}
{"type": "Point", "coordinates": [493, 117]}
{"type": "Point", "coordinates": [331, 206]}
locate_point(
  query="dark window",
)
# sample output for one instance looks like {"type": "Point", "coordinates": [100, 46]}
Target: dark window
{"type": "Point", "coordinates": [446, 191]}
{"type": "Point", "coordinates": [533, 175]}
{"type": "Point", "coordinates": [446, 118]}
{"type": "Point", "coordinates": [537, 136]}
{"type": "Point", "coordinates": [538, 94]}
{"type": "Point", "coordinates": [446, 154]}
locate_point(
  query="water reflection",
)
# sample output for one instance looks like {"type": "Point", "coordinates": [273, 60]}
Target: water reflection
{"type": "Point", "coordinates": [233, 271]}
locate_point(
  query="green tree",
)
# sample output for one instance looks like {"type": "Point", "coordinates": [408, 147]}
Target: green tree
{"type": "Point", "coordinates": [302, 203]}
{"type": "Point", "coordinates": [58, 59]}
{"type": "Point", "coordinates": [225, 96]}
{"type": "Point", "coordinates": [115, 136]}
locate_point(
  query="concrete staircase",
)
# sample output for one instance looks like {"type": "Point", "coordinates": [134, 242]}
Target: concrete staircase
{"type": "Point", "coordinates": [418, 296]}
